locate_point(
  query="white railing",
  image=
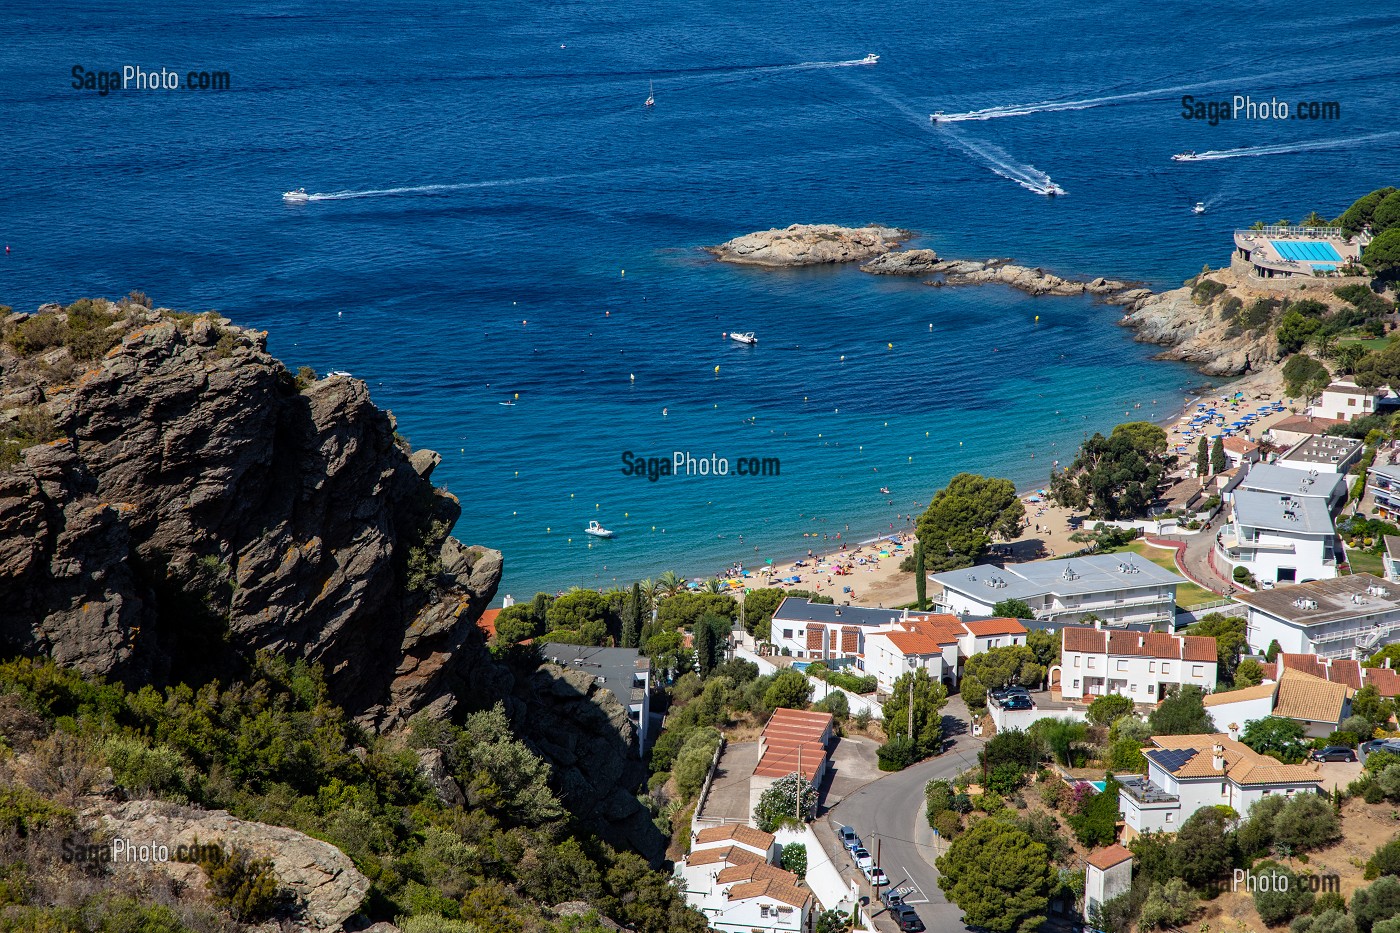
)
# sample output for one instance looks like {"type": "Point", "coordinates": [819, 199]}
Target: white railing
{"type": "Point", "coordinates": [1274, 230]}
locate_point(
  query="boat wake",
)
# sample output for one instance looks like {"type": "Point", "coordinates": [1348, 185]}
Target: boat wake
{"type": "Point", "coordinates": [1284, 148]}
{"type": "Point", "coordinates": [427, 189]}
{"type": "Point", "coordinates": [999, 161]}
{"type": "Point", "coordinates": [1089, 103]}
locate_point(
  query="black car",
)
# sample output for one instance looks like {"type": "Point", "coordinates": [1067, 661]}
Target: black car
{"type": "Point", "coordinates": [907, 920]}
{"type": "Point", "coordinates": [1016, 701]}
{"type": "Point", "coordinates": [1334, 753]}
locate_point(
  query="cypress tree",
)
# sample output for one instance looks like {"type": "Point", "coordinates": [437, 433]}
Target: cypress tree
{"type": "Point", "coordinates": [1217, 456]}
{"type": "Point", "coordinates": [920, 577]}
{"type": "Point", "coordinates": [1202, 459]}
{"type": "Point", "coordinates": [632, 618]}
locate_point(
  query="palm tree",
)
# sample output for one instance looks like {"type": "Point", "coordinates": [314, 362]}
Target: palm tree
{"type": "Point", "coordinates": [649, 591]}
{"type": "Point", "coordinates": [1314, 219]}
{"type": "Point", "coordinates": [1257, 225]}
{"type": "Point", "coordinates": [713, 585]}
{"type": "Point", "coordinates": [1326, 345]}
{"type": "Point", "coordinates": [1348, 355]}
{"type": "Point", "coordinates": [670, 583]}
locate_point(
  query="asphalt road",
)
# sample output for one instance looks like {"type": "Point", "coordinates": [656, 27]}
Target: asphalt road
{"type": "Point", "coordinates": [888, 815]}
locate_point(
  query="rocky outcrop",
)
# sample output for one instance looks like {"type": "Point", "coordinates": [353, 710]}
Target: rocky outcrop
{"type": "Point", "coordinates": [1200, 334]}
{"type": "Point", "coordinates": [1032, 281]}
{"type": "Point", "coordinates": [809, 245]}
{"type": "Point", "coordinates": [197, 504]}
{"type": "Point", "coordinates": [903, 262]}
{"type": "Point", "coordinates": [325, 887]}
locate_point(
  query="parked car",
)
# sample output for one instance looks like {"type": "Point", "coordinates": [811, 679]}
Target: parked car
{"type": "Point", "coordinates": [1017, 702]}
{"type": "Point", "coordinates": [907, 919]}
{"type": "Point", "coordinates": [892, 898]}
{"type": "Point", "coordinates": [1333, 753]}
{"type": "Point", "coordinates": [876, 875]}
{"type": "Point", "coordinates": [861, 858]}
{"type": "Point", "coordinates": [848, 837]}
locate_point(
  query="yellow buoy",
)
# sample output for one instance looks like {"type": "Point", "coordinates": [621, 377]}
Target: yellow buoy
{"type": "Point", "coordinates": [717, 370]}
{"type": "Point", "coordinates": [890, 345]}
{"type": "Point", "coordinates": [517, 395]}
{"type": "Point", "coordinates": [546, 531]}
{"type": "Point", "coordinates": [1037, 318]}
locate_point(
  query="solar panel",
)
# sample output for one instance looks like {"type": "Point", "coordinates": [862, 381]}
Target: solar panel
{"type": "Point", "coordinates": [1171, 759]}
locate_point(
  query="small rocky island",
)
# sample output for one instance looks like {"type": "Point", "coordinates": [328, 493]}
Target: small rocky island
{"type": "Point", "coordinates": [810, 245]}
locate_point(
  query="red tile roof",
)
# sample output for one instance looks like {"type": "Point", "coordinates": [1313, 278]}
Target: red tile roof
{"type": "Point", "coordinates": [1345, 671]}
{"type": "Point", "coordinates": [1239, 445]}
{"type": "Point", "coordinates": [736, 832]}
{"type": "Point", "coordinates": [1307, 663]}
{"type": "Point", "coordinates": [1139, 644]}
{"type": "Point", "coordinates": [917, 642]}
{"type": "Point", "coordinates": [755, 871]}
{"type": "Point", "coordinates": [1106, 858]}
{"type": "Point", "coordinates": [1384, 679]}
{"type": "Point", "coordinates": [1076, 638]}
{"type": "Point", "coordinates": [770, 888]}
{"type": "Point", "coordinates": [780, 761]}
{"type": "Point", "coordinates": [732, 855]}
{"type": "Point", "coordinates": [995, 627]}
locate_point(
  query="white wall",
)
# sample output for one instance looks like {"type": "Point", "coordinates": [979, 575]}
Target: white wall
{"type": "Point", "coordinates": [823, 877]}
{"type": "Point", "coordinates": [1146, 674]}
{"type": "Point", "coordinates": [1022, 718]}
{"type": "Point", "coordinates": [1239, 713]}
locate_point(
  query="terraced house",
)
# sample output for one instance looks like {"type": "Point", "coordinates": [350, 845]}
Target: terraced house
{"type": "Point", "coordinates": [1146, 667]}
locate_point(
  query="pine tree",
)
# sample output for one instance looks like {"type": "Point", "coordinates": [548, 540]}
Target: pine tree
{"type": "Point", "coordinates": [920, 577]}
{"type": "Point", "coordinates": [1202, 459]}
{"type": "Point", "coordinates": [1217, 456]}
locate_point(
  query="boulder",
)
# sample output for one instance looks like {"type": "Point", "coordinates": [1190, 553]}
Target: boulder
{"type": "Point", "coordinates": [809, 245]}
{"type": "Point", "coordinates": [903, 262]}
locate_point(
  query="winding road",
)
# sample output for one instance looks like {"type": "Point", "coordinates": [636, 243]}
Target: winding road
{"type": "Point", "coordinates": [888, 815]}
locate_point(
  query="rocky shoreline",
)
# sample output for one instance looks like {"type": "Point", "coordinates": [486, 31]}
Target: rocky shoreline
{"type": "Point", "coordinates": [1190, 331]}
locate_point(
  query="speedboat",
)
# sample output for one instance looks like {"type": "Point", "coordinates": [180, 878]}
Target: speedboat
{"type": "Point", "coordinates": [935, 117]}
{"type": "Point", "coordinates": [744, 338]}
{"type": "Point", "coordinates": [651, 94]}
{"type": "Point", "coordinates": [1051, 189]}
{"type": "Point", "coordinates": [337, 374]}
{"type": "Point", "coordinates": [870, 59]}
{"type": "Point", "coordinates": [597, 530]}
{"type": "Point", "coordinates": [1200, 208]}
{"type": "Point", "coordinates": [1188, 156]}
{"type": "Point", "coordinates": [297, 195]}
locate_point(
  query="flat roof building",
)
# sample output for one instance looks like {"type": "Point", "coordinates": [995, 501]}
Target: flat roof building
{"type": "Point", "coordinates": [1342, 617]}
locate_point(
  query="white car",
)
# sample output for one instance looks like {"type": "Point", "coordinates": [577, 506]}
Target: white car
{"type": "Point", "coordinates": [876, 875]}
{"type": "Point", "coordinates": [862, 858]}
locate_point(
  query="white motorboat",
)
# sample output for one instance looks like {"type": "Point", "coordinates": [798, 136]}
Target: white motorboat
{"type": "Point", "coordinates": [337, 374]}
{"type": "Point", "coordinates": [1188, 156]}
{"type": "Point", "coordinates": [745, 338]}
{"type": "Point", "coordinates": [935, 117]}
{"type": "Point", "coordinates": [1051, 190]}
{"type": "Point", "coordinates": [1200, 208]}
{"type": "Point", "coordinates": [870, 59]}
{"type": "Point", "coordinates": [597, 530]}
{"type": "Point", "coordinates": [298, 195]}
{"type": "Point", "coordinates": [651, 94]}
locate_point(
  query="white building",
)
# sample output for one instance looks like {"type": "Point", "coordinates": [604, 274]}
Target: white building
{"type": "Point", "coordinates": [1324, 453]}
{"type": "Point", "coordinates": [1232, 710]}
{"type": "Point", "coordinates": [1118, 588]}
{"type": "Point", "coordinates": [1345, 671]}
{"type": "Point", "coordinates": [1315, 702]}
{"type": "Point", "coordinates": [729, 876]}
{"type": "Point", "coordinates": [1344, 400]}
{"type": "Point", "coordinates": [1240, 451]}
{"type": "Point", "coordinates": [1146, 667]}
{"type": "Point", "coordinates": [1278, 538]}
{"type": "Point", "coordinates": [623, 671]}
{"type": "Point", "coordinates": [1188, 772]}
{"type": "Point", "coordinates": [1383, 482]}
{"type": "Point", "coordinates": [938, 644]}
{"type": "Point", "coordinates": [1109, 873]}
{"type": "Point", "coordinates": [1296, 482]}
{"type": "Point", "coordinates": [823, 632]}
{"type": "Point", "coordinates": [1345, 617]}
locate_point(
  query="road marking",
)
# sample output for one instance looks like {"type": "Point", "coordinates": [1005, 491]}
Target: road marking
{"type": "Point", "coordinates": [922, 898]}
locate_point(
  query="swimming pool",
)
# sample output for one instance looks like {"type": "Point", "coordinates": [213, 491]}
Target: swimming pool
{"type": "Point", "coordinates": [1098, 785]}
{"type": "Point", "coordinates": [1306, 250]}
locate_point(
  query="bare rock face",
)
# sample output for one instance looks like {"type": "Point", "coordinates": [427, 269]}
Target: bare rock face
{"type": "Point", "coordinates": [197, 506]}
{"type": "Point", "coordinates": [1198, 334]}
{"type": "Point", "coordinates": [326, 887]}
{"type": "Point", "coordinates": [810, 245]}
{"type": "Point", "coordinates": [903, 262]}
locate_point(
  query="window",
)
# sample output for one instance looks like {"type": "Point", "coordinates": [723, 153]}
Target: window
{"type": "Point", "coordinates": [1171, 817]}
{"type": "Point", "coordinates": [1288, 792]}
{"type": "Point", "coordinates": [1198, 670]}
{"type": "Point", "coordinates": [1224, 789]}
{"type": "Point", "coordinates": [1089, 662]}
{"type": "Point", "coordinates": [1122, 664]}
{"type": "Point", "coordinates": [1076, 660]}
{"type": "Point", "coordinates": [1151, 689]}
{"type": "Point", "coordinates": [1266, 793]}
{"type": "Point", "coordinates": [787, 633]}
{"type": "Point", "coordinates": [1076, 683]}
{"type": "Point", "coordinates": [1131, 689]}
{"type": "Point", "coordinates": [1151, 667]}
{"type": "Point", "coordinates": [763, 910]}
{"type": "Point", "coordinates": [1166, 668]}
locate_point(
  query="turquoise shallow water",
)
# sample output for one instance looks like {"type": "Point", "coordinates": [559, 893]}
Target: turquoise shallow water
{"type": "Point", "coordinates": [488, 176]}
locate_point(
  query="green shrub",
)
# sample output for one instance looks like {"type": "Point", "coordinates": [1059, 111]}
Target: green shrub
{"type": "Point", "coordinates": [244, 886]}
{"type": "Point", "coordinates": [1386, 861]}
{"type": "Point", "coordinates": [1205, 291]}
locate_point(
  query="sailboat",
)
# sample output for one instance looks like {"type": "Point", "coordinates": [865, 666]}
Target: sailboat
{"type": "Point", "coordinates": [651, 94]}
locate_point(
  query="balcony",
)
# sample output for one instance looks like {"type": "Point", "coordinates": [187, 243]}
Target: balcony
{"type": "Point", "coordinates": [1144, 791]}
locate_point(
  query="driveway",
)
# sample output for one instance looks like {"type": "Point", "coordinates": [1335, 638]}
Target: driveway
{"type": "Point", "coordinates": [728, 799]}
{"type": "Point", "coordinates": [888, 815]}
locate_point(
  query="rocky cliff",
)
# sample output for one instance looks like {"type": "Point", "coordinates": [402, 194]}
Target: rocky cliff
{"type": "Point", "coordinates": [809, 245]}
{"type": "Point", "coordinates": [173, 499]}
{"type": "Point", "coordinates": [191, 503]}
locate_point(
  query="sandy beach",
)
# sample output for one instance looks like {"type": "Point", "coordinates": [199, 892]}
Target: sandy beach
{"type": "Point", "coordinates": [869, 573]}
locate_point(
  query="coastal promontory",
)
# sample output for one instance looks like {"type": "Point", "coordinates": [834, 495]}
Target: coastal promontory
{"type": "Point", "coordinates": [810, 245]}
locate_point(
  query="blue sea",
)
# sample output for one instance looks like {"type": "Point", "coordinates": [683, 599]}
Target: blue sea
{"type": "Point", "coordinates": [507, 222]}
